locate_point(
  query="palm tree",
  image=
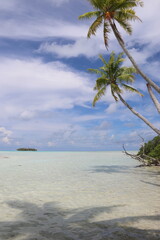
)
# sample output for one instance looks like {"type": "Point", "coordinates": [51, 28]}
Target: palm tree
{"type": "Point", "coordinates": [108, 12]}
{"type": "Point", "coordinates": [113, 75]}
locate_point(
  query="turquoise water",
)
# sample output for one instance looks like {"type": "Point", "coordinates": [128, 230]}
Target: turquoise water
{"type": "Point", "coordinates": [77, 195]}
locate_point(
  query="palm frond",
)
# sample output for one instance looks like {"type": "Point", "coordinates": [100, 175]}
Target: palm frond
{"type": "Point", "coordinates": [114, 96]}
{"type": "Point", "coordinates": [126, 14]}
{"type": "Point", "coordinates": [102, 59]}
{"type": "Point", "coordinates": [125, 25]}
{"type": "Point", "coordinates": [115, 88]}
{"type": "Point", "coordinates": [95, 25]}
{"type": "Point", "coordinates": [101, 82]}
{"type": "Point", "coordinates": [89, 15]}
{"type": "Point", "coordinates": [128, 78]}
{"type": "Point", "coordinates": [98, 4]}
{"type": "Point", "coordinates": [126, 74]}
{"type": "Point", "coordinates": [96, 71]}
{"type": "Point", "coordinates": [114, 75]}
{"type": "Point", "coordinates": [98, 96]}
{"type": "Point", "coordinates": [129, 70]}
{"type": "Point", "coordinates": [126, 4]}
{"type": "Point", "coordinates": [131, 89]}
{"type": "Point", "coordinates": [106, 31]}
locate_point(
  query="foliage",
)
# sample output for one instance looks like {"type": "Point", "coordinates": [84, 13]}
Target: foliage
{"type": "Point", "coordinates": [26, 149]}
{"type": "Point", "coordinates": [151, 149]}
{"type": "Point", "coordinates": [112, 74]}
{"type": "Point", "coordinates": [118, 78]}
{"type": "Point", "coordinates": [107, 12]}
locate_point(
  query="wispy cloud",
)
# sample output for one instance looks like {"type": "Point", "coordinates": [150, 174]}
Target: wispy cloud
{"type": "Point", "coordinates": [32, 85]}
{"type": "Point", "coordinates": [48, 103]}
{"type": "Point", "coordinates": [5, 135]}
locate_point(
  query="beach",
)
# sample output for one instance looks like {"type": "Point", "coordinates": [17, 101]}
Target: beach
{"type": "Point", "coordinates": [77, 195]}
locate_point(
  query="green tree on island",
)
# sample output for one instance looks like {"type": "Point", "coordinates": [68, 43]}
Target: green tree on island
{"type": "Point", "coordinates": [107, 13]}
{"type": "Point", "coordinates": [151, 149]}
{"type": "Point", "coordinates": [112, 74]}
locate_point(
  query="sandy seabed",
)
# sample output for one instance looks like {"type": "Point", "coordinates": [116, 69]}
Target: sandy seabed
{"type": "Point", "coordinates": [77, 195]}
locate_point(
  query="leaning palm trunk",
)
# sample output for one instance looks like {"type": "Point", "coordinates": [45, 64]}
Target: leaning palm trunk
{"type": "Point", "coordinates": [121, 43]}
{"type": "Point", "coordinates": [154, 99]}
{"type": "Point", "coordinates": [138, 115]}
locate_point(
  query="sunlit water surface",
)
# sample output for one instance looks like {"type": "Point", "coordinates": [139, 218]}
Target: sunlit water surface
{"type": "Point", "coordinates": [77, 195]}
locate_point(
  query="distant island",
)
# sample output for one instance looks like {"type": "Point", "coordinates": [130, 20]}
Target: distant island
{"type": "Point", "coordinates": [26, 149]}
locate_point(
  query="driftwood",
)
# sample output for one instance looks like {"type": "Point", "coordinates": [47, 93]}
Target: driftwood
{"type": "Point", "coordinates": [144, 159]}
{"type": "Point", "coordinates": [137, 157]}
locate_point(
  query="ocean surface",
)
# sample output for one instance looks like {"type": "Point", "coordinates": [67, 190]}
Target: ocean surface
{"type": "Point", "coordinates": [77, 195]}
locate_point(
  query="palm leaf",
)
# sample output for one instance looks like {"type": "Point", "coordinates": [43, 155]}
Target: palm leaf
{"type": "Point", "coordinates": [93, 28]}
{"type": "Point", "coordinates": [96, 71]}
{"type": "Point", "coordinates": [126, 4]}
{"type": "Point", "coordinates": [125, 25]}
{"type": "Point", "coordinates": [89, 15]}
{"type": "Point", "coordinates": [113, 94]}
{"type": "Point", "coordinates": [101, 82]}
{"type": "Point", "coordinates": [98, 96]}
{"type": "Point", "coordinates": [128, 78]}
{"type": "Point", "coordinates": [113, 75]}
{"type": "Point", "coordinates": [129, 70]}
{"type": "Point", "coordinates": [97, 4]}
{"type": "Point", "coordinates": [126, 14]}
{"type": "Point", "coordinates": [106, 31]}
{"type": "Point", "coordinates": [115, 88]}
{"type": "Point", "coordinates": [131, 89]}
{"type": "Point", "coordinates": [102, 59]}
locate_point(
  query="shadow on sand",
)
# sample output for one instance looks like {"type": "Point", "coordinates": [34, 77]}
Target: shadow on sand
{"type": "Point", "coordinates": [110, 169]}
{"type": "Point", "coordinates": [50, 222]}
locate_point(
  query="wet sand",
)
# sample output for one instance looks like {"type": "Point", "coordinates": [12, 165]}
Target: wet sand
{"type": "Point", "coordinates": [97, 196]}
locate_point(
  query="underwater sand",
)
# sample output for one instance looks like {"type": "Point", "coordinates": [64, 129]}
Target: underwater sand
{"type": "Point", "coordinates": [77, 195]}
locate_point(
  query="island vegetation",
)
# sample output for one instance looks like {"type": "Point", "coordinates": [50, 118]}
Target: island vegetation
{"type": "Point", "coordinates": [149, 153]}
{"type": "Point", "coordinates": [26, 149]}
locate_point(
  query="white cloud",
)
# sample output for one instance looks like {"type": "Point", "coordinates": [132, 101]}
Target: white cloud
{"type": "Point", "coordinates": [51, 144]}
{"type": "Point", "coordinates": [55, 25]}
{"type": "Point", "coordinates": [58, 2]}
{"type": "Point", "coordinates": [6, 140]}
{"type": "Point", "coordinates": [86, 117]}
{"type": "Point", "coordinates": [8, 5]}
{"type": "Point", "coordinates": [31, 85]}
{"type": "Point", "coordinates": [82, 46]}
{"type": "Point", "coordinates": [14, 28]}
{"type": "Point", "coordinates": [26, 115]}
{"type": "Point", "coordinates": [112, 108]}
{"type": "Point", "coordinates": [4, 131]}
{"type": "Point", "coordinates": [5, 135]}
{"type": "Point", "coordinates": [31, 89]}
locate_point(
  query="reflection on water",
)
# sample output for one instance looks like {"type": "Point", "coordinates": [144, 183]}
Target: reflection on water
{"type": "Point", "coordinates": [97, 196]}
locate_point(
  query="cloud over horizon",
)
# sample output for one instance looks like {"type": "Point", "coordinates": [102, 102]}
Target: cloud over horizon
{"type": "Point", "coordinates": [46, 92]}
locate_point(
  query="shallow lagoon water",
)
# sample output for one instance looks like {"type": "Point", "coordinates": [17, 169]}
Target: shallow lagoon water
{"type": "Point", "coordinates": [77, 195]}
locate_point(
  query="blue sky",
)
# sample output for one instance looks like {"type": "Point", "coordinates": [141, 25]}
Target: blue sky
{"type": "Point", "coordinates": [46, 92]}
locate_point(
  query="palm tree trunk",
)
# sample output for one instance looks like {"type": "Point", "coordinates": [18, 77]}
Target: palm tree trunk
{"type": "Point", "coordinates": [121, 43]}
{"type": "Point", "coordinates": [139, 115]}
{"type": "Point", "coordinates": [154, 99]}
